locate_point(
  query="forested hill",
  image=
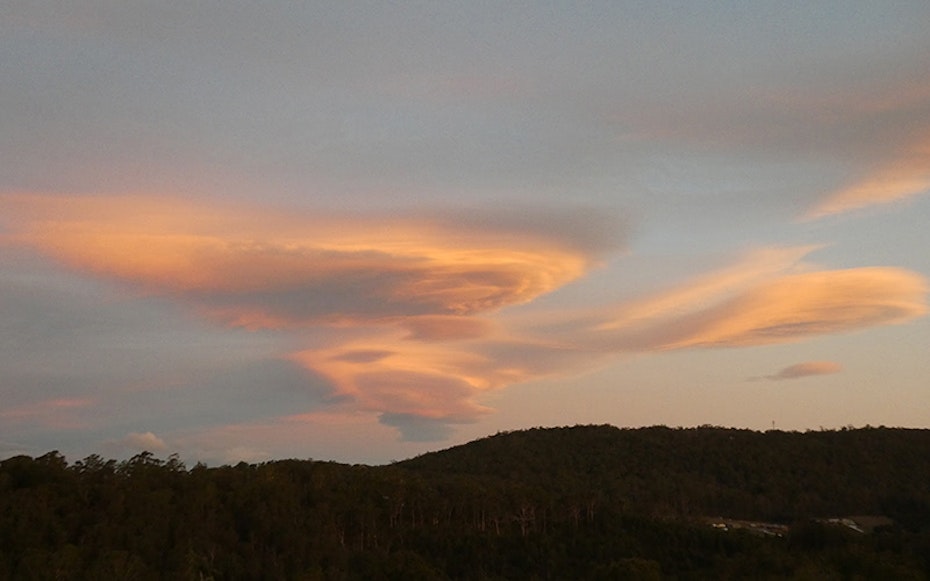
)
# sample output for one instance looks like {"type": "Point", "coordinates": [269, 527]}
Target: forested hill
{"type": "Point", "coordinates": [587, 502]}
{"type": "Point", "coordinates": [772, 475]}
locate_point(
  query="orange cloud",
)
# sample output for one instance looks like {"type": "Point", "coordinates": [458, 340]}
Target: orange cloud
{"type": "Point", "coordinates": [405, 378]}
{"type": "Point", "coordinates": [905, 176]}
{"type": "Point", "coordinates": [798, 306]}
{"type": "Point", "coordinates": [384, 373]}
{"type": "Point", "coordinates": [756, 266]}
{"type": "Point", "coordinates": [260, 268]}
{"type": "Point", "coordinates": [771, 297]}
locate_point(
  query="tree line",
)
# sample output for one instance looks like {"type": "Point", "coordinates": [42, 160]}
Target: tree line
{"type": "Point", "coordinates": [583, 502]}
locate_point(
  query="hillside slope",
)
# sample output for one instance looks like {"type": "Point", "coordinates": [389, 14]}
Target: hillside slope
{"type": "Point", "coordinates": [772, 475]}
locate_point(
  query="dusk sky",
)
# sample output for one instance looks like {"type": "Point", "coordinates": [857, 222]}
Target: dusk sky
{"type": "Point", "coordinates": [362, 231]}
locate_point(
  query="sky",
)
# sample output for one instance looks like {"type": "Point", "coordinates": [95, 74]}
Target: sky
{"type": "Point", "coordinates": [357, 231]}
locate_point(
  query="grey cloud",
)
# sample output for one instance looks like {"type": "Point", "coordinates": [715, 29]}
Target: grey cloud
{"type": "Point", "coordinates": [445, 328]}
{"type": "Point", "coordinates": [389, 289]}
{"type": "Point", "coordinates": [414, 428]}
{"type": "Point", "coordinates": [806, 369]}
{"type": "Point", "coordinates": [61, 323]}
{"type": "Point", "coordinates": [591, 230]}
{"type": "Point", "coordinates": [170, 405]}
{"type": "Point", "coordinates": [130, 362]}
{"type": "Point", "coordinates": [357, 293]}
{"type": "Point", "coordinates": [363, 355]}
{"type": "Point", "coordinates": [236, 393]}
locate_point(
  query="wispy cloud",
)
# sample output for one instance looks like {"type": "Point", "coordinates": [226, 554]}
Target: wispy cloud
{"type": "Point", "coordinates": [793, 307]}
{"type": "Point", "coordinates": [806, 369]}
{"type": "Point", "coordinates": [876, 133]}
{"type": "Point", "coordinates": [770, 296]}
{"type": "Point", "coordinates": [58, 413]}
{"type": "Point", "coordinates": [905, 176]}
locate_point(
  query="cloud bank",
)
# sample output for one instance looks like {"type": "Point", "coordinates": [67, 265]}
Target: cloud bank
{"type": "Point", "coordinates": [406, 318]}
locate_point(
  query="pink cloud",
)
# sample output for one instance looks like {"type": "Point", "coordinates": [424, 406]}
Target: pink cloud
{"type": "Point", "coordinates": [57, 413]}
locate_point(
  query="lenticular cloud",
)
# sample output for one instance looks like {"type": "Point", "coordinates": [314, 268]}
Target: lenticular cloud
{"type": "Point", "coordinates": [252, 268]}
{"type": "Point", "coordinates": [404, 316]}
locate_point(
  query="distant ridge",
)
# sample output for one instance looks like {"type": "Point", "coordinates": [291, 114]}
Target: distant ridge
{"type": "Point", "coordinates": [775, 475]}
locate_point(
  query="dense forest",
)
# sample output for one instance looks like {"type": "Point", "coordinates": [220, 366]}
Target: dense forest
{"type": "Point", "coordinates": [584, 502]}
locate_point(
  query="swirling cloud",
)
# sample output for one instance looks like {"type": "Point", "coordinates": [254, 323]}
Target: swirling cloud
{"type": "Point", "coordinates": [410, 288]}
{"type": "Point", "coordinates": [769, 297]}
{"type": "Point", "coordinates": [385, 374]}
{"type": "Point", "coordinates": [258, 268]}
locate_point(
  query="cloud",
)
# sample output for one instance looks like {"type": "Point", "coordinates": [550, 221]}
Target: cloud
{"type": "Point", "coordinates": [405, 290]}
{"type": "Point", "coordinates": [144, 442]}
{"type": "Point", "coordinates": [771, 296]}
{"type": "Point", "coordinates": [387, 372]}
{"type": "Point", "coordinates": [382, 373]}
{"type": "Point", "coordinates": [755, 266]}
{"type": "Point", "coordinates": [415, 428]}
{"type": "Point", "coordinates": [905, 176]}
{"type": "Point", "coordinates": [446, 328]}
{"type": "Point", "coordinates": [401, 318]}
{"type": "Point", "coordinates": [63, 413]}
{"type": "Point", "coordinates": [795, 307]}
{"type": "Point", "coordinates": [874, 130]}
{"type": "Point", "coordinates": [806, 369]}
{"type": "Point", "coordinates": [256, 268]}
